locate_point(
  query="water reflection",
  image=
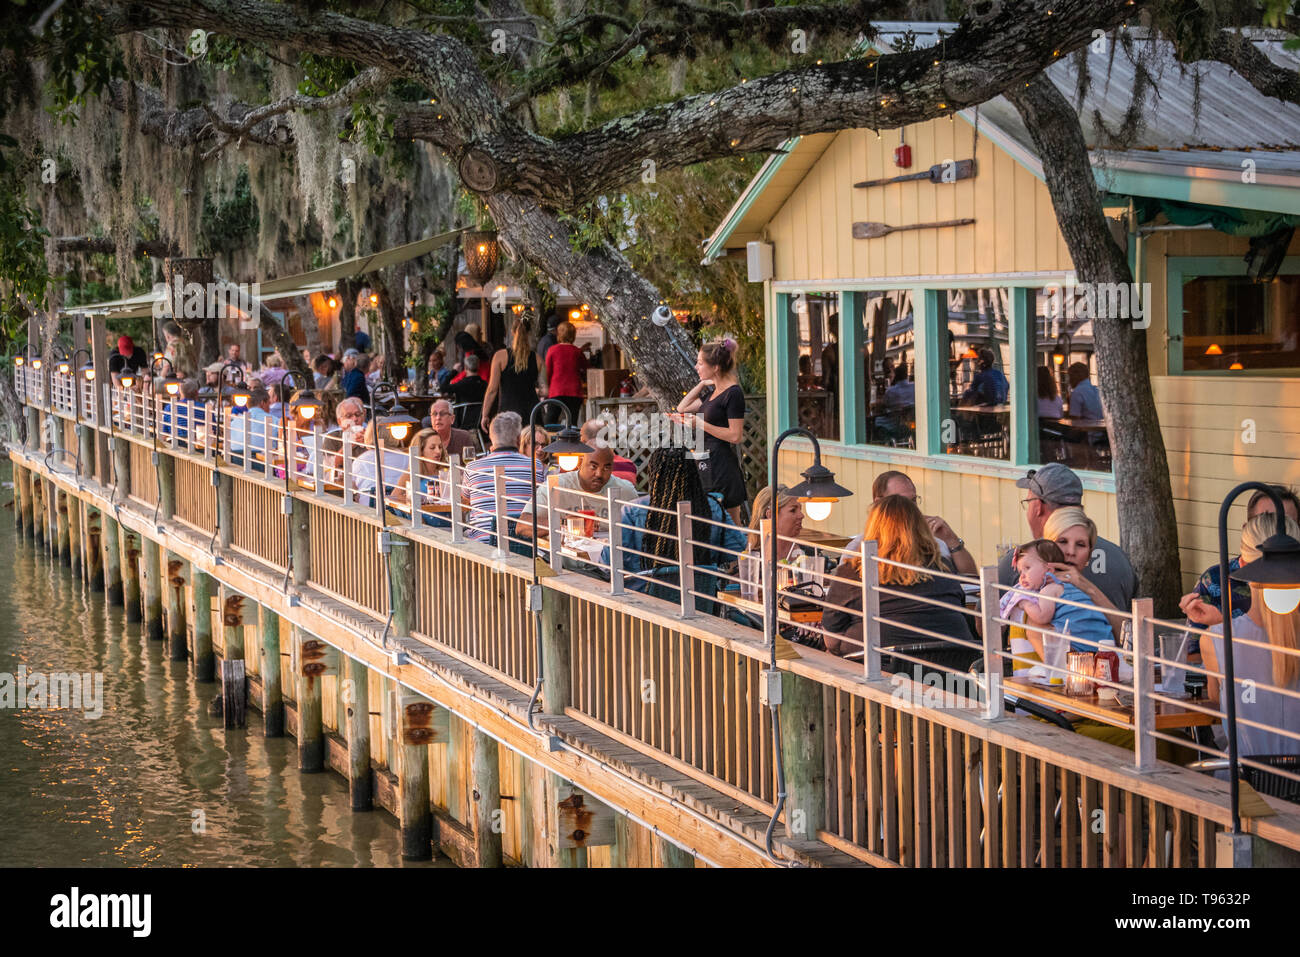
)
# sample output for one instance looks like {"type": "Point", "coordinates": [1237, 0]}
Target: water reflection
{"type": "Point", "coordinates": [156, 780]}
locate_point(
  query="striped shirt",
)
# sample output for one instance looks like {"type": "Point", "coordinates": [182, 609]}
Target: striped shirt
{"type": "Point", "coordinates": [480, 489]}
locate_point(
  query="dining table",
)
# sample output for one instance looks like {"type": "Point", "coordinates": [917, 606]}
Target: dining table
{"type": "Point", "coordinates": [1169, 716]}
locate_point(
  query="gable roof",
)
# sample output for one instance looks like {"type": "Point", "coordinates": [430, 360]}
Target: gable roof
{"type": "Point", "coordinates": [1193, 141]}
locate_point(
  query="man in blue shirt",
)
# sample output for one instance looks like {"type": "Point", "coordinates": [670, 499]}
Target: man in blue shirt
{"type": "Point", "coordinates": [1085, 400]}
{"type": "Point", "coordinates": [354, 380]}
{"type": "Point", "coordinates": [255, 430]}
{"type": "Point", "coordinates": [989, 387]}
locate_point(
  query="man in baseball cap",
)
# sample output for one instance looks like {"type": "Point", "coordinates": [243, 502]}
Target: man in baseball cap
{"type": "Point", "coordinates": [1055, 486]}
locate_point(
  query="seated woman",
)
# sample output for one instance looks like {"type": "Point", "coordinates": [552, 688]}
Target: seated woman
{"type": "Point", "coordinates": [433, 484]}
{"type": "Point", "coordinates": [363, 469]}
{"type": "Point", "coordinates": [754, 564]}
{"type": "Point", "coordinates": [650, 536]}
{"type": "Point", "coordinates": [1076, 535]}
{"type": "Point", "coordinates": [902, 535]}
{"type": "Point", "coordinates": [1260, 667]}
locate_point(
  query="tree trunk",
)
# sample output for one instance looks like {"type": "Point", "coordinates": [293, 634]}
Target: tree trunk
{"type": "Point", "coordinates": [662, 356]}
{"type": "Point", "coordinates": [348, 290]}
{"type": "Point", "coordinates": [13, 408]}
{"type": "Point", "coordinates": [1148, 526]}
{"type": "Point", "coordinates": [310, 325]}
{"type": "Point", "coordinates": [285, 345]}
{"type": "Point", "coordinates": [390, 318]}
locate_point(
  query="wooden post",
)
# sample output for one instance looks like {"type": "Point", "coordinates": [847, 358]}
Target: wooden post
{"type": "Point", "coordinates": [111, 539]}
{"type": "Point", "coordinates": [272, 695]}
{"type": "Point", "coordinates": [232, 623]}
{"type": "Point", "coordinates": [178, 574]}
{"type": "Point", "coordinates": [131, 574]}
{"type": "Point", "coordinates": [33, 428]}
{"type": "Point", "coordinates": [205, 660]}
{"type": "Point", "coordinates": [670, 855]}
{"type": "Point", "coordinates": [86, 444]}
{"type": "Point", "coordinates": [121, 468]}
{"type": "Point", "coordinates": [311, 736]}
{"type": "Point", "coordinates": [63, 550]}
{"type": "Point", "coordinates": [300, 538]}
{"type": "Point", "coordinates": [99, 359]}
{"type": "Point", "coordinates": [556, 651]}
{"type": "Point", "coordinates": [401, 584]}
{"type": "Point", "coordinates": [23, 483]}
{"type": "Point", "coordinates": [38, 510]}
{"type": "Point", "coordinates": [151, 581]}
{"type": "Point", "coordinates": [225, 510]}
{"type": "Point", "coordinates": [356, 696]}
{"type": "Point", "coordinates": [803, 747]}
{"type": "Point", "coordinates": [94, 549]}
{"type": "Point", "coordinates": [485, 810]}
{"type": "Point", "coordinates": [167, 482]}
{"type": "Point", "coordinates": [412, 752]}
{"type": "Point", "coordinates": [559, 790]}
{"type": "Point", "coordinates": [75, 544]}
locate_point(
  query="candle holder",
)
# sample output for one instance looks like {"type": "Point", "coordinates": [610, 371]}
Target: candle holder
{"type": "Point", "coordinates": [1080, 665]}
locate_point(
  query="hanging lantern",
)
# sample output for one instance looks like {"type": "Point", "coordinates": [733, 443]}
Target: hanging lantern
{"type": "Point", "coordinates": [481, 255]}
{"type": "Point", "coordinates": [179, 274]}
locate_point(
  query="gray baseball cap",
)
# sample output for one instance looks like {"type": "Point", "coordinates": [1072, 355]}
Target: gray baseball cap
{"type": "Point", "coordinates": [350, 352]}
{"type": "Point", "coordinates": [1053, 483]}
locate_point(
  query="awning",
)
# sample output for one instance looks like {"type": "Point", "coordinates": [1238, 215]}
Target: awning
{"type": "Point", "coordinates": [289, 287]}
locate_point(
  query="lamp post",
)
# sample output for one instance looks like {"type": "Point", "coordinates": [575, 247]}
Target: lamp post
{"type": "Point", "coordinates": [398, 422]}
{"type": "Point", "coordinates": [172, 386]}
{"type": "Point", "coordinates": [221, 391]}
{"type": "Point", "coordinates": [306, 404]}
{"type": "Point", "coordinates": [1277, 570]}
{"type": "Point", "coordinates": [567, 448]}
{"type": "Point", "coordinates": [819, 492]}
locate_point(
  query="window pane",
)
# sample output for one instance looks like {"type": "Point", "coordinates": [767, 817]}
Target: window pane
{"type": "Point", "coordinates": [1233, 322]}
{"type": "Point", "coordinates": [1068, 404]}
{"type": "Point", "coordinates": [817, 324]}
{"type": "Point", "coordinates": [888, 350]}
{"type": "Point", "coordinates": [977, 416]}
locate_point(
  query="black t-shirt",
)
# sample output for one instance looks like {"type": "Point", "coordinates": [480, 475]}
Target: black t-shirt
{"type": "Point", "coordinates": [469, 389]}
{"type": "Point", "coordinates": [118, 363]}
{"type": "Point", "coordinates": [718, 409]}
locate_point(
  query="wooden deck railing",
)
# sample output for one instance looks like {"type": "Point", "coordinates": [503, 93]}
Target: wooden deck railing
{"type": "Point", "coordinates": [903, 783]}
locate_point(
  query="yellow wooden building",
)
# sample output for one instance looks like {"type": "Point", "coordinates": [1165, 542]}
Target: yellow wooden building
{"type": "Point", "coordinates": [1207, 170]}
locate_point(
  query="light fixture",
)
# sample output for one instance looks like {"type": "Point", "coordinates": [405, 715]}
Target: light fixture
{"type": "Point", "coordinates": [1214, 350]}
{"type": "Point", "coordinates": [18, 361]}
{"type": "Point", "coordinates": [568, 448]}
{"type": "Point", "coordinates": [172, 384]}
{"type": "Point", "coordinates": [88, 371]}
{"type": "Point", "coordinates": [63, 367]}
{"type": "Point", "coordinates": [333, 303]}
{"type": "Point", "coordinates": [157, 356]}
{"type": "Point", "coordinates": [819, 491]}
{"type": "Point", "coordinates": [970, 353]}
{"type": "Point", "coordinates": [1277, 571]}
{"type": "Point", "coordinates": [482, 253]}
{"type": "Point", "coordinates": [374, 299]}
{"type": "Point", "coordinates": [1236, 365]}
{"type": "Point", "coordinates": [398, 422]}
{"type": "Point", "coordinates": [575, 314]}
{"type": "Point", "coordinates": [126, 379]}
{"type": "Point", "coordinates": [1058, 358]}
{"type": "Point", "coordinates": [36, 364]}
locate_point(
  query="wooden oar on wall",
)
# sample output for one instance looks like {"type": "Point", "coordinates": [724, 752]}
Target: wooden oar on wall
{"type": "Point", "coordinates": [961, 169]}
{"type": "Point", "coordinates": [876, 230]}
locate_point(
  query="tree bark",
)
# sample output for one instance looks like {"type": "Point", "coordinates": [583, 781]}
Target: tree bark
{"type": "Point", "coordinates": [348, 290]}
{"type": "Point", "coordinates": [284, 345]}
{"type": "Point", "coordinates": [390, 319]}
{"type": "Point", "coordinates": [1148, 526]}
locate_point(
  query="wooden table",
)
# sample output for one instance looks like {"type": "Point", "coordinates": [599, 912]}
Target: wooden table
{"type": "Point", "coordinates": [1168, 716]}
{"type": "Point", "coordinates": [1081, 425]}
{"type": "Point", "coordinates": [732, 597]}
{"type": "Point", "coordinates": [815, 536]}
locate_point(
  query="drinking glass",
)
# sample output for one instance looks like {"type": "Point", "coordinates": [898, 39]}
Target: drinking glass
{"type": "Point", "coordinates": [751, 576]}
{"type": "Point", "coordinates": [1055, 648]}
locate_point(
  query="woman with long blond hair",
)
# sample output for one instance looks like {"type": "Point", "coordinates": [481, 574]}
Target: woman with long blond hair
{"type": "Point", "coordinates": [903, 536]}
{"type": "Point", "coordinates": [1265, 652]}
{"type": "Point", "coordinates": [512, 379]}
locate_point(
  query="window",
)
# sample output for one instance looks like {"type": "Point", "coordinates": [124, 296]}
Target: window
{"type": "Point", "coordinates": [817, 319]}
{"type": "Point", "coordinates": [1068, 405]}
{"type": "Point", "coordinates": [975, 414]}
{"type": "Point", "coordinates": [1232, 323]}
{"type": "Point", "coordinates": [888, 366]}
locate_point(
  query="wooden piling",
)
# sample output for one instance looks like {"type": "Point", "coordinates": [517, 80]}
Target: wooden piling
{"type": "Point", "coordinates": [300, 538]}
{"type": "Point", "coordinates": [94, 549]}
{"type": "Point", "coordinates": [23, 487]}
{"type": "Point", "coordinates": [311, 735]}
{"type": "Point", "coordinates": [178, 573]}
{"type": "Point", "coordinates": [485, 809]}
{"type": "Point", "coordinates": [111, 540]}
{"type": "Point", "coordinates": [151, 580]}
{"type": "Point", "coordinates": [131, 574]}
{"type": "Point", "coordinates": [86, 448]}
{"type": "Point", "coordinates": [668, 854]}
{"type": "Point", "coordinates": [62, 548]}
{"type": "Point", "coordinates": [233, 606]}
{"type": "Point", "coordinates": [121, 468]}
{"type": "Point", "coordinates": [205, 666]}
{"type": "Point", "coordinates": [356, 696]}
{"type": "Point", "coordinates": [272, 694]}
{"type": "Point", "coordinates": [38, 510]}
{"type": "Point", "coordinates": [167, 485]}
{"type": "Point", "coordinates": [803, 748]}
{"type": "Point", "coordinates": [557, 791]}
{"type": "Point", "coordinates": [225, 510]}
{"type": "Point", "coordinates": [556, 650]}
{"type": "Point", "coordinates": [75, 545]}
{"type": "Point", "coordinates": [416, 816]}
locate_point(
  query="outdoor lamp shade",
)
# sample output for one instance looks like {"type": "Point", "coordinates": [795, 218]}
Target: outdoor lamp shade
{"type": "Point", "coordinates": [482, 252]}
{"type": "Point", "coordinates": [567, 448]}
{"type": "Point", "coordinates": [399, 423]}
{"type": "Point", "coordinates": [1214, 350]}
{"type": "Point", "coordinates": [819, 491]}
{"type": "Point", "coordinates": [64, 367]}
{"type": "Point", "coordinates": [88, 371]}
{"type": "Point", "coordinates": [36, 363]}
{"type": "Point", "coordinates": [127, 380]}
{"type": "Point", "coordinates": [18, 361]}
{"type": "Point", "coordinates": [305, 405]}
{"type": "Point", "coordinates": [1277, 571]}
{"type": "Point", "coordinates": [172, 384]}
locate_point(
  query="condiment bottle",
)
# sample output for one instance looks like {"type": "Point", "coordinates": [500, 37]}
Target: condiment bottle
{"type": "Point", "coordinates": [1106, 664]}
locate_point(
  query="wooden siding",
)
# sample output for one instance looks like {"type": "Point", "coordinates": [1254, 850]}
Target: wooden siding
{"type": "Point", "coordinates": [144, 480]}
{"type": "Point", "coordinates": [260, 527]}
{"type": "Point", "coordinates": [196, 499]}
{"type": "Point", "coordinates": [1015, 228]}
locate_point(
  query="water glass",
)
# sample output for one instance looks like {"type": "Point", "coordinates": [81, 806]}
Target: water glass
{"type": "Point", "coordinates": [1055, 649]}
{"type": "Point", "coordinates": [751, 576]}
{"type": "Point", "coordinates": [1172, 647]}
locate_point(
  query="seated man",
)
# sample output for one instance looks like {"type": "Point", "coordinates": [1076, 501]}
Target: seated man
{"type": "Point", "coordinates": [350, 413]}
{"type": "Point", "coordinates": [454, 440]}
{"type": "Point", "coordinates": [623, 468]}
{"type": "Point", "coordinates": [951, 545]}
{"type": "Point", "coordinates": [468, 387]}
{"type": "Point", "coordinates": [478, 490]}
{"type": "Point", "coordinates": [255, 431]}
{"type": "Point", "coordinates": [594, 475]}
{"type": "Point", "coordinates": [186, 407]}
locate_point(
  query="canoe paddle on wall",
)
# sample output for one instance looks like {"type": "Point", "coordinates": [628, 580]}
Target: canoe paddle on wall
{"type": "Point", "coordinates": [949, 172]}
{"type": "Point", "coordinates": [876, 230]}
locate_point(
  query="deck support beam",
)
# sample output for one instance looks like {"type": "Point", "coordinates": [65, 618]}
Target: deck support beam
{"type": "Point", "coordinates": [23, 484]}
{"type": "Point", "coordinates": [178, 575]}
{"type": "Point", "coordinates": [167, 486]}
{"type": "Point", "coordinates": [205, 659]}
{"type": "Point", "coordinates": [311, 735]}
{"type": "Point", "coordinates": [151, 580]}
{"type": "Point", "coordinates": [416, 817]}
{"type": "Point", "coordinates": [485, 771]}
{"type": "Point", "coordinates": [94, 549]}
{"type": "Point", "coordinates": [111, 539]}
{"type": "Point", "coordinates": [121, 468]}
{"type": "Point", "coordinates": [225, 510]}
{"type": "Point", "coordinates": [272, 692]}
{"type": "Point", "coordinates": [76, 545]}
{"type": "Point", "coordinates": [131, 574]}
{"type": "Point", "coordinates": [232, 622]}
{"type": "Point", "coordinates": [38, 511]}
{"type": "Point", "coordinates": [63, 550]}
{"type": "Point", "coordinates": [356, 698]}
{"type": "Point", "coordinates": [556, 651]}
{"type": "Point", "coordinates": [803, 748]}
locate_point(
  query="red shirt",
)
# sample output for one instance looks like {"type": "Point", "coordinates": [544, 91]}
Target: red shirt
{"type": "Point", "coordinates": [624, 469]}
{"type": "Point", "coordinates": [565, 367]}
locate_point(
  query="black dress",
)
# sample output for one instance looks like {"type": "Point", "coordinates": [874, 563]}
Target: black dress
{"type": "Point", "coordinates": [721, 472]}
{"type": "Point", "coordinates": [518, 390]}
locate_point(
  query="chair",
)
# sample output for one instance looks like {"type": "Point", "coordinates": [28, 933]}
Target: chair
{"type": "Point", "coordinates": [1274, 785]}
{"type": "Point", "coordinates": [469, 412]}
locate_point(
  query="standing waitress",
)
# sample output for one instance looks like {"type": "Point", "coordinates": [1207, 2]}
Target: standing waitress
{"type": "Point", "coordinates": [717, 405]}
